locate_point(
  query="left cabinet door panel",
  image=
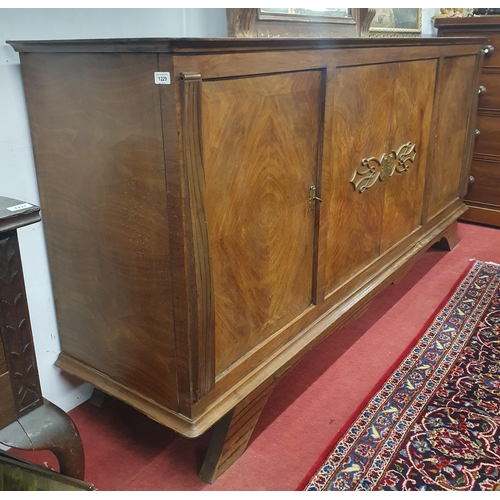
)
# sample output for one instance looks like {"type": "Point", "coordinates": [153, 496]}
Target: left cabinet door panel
{"type": "Point", "coordinates": [260, 153]}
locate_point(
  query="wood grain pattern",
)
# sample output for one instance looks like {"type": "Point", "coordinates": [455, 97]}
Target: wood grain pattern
{"type": "Point", "coordinates": [454, 95]}
{"type": "Point", "coordinates": [232, 433]}
{"type": "Point", "coordinates": [490, 80]}
{"type": "Point", "coordinates": [381, 216]}
{"type": "Point", "coordinates": [97, 134]}
{"type": "Point", "coordinates": [483, 195]}
{"type": "Point", "coordinates": [486, 175]}
{"type": "Point", "coordinates": [237, 148]}
{"type": "Point", "coordinates": [258, 174]}
{"type": "Point", "coordinates": [202, 295]}
{"type": "Point", "coordinates": [488, 141]}
{"type": "Point", "coordinates": [413, 102]}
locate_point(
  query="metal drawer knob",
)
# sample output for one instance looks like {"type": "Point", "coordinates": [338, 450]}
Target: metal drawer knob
{"type": "Point", "coordinates": [478, 132]}
{"type": "Point", "coordinates": [472, 179]}
{"type": "Point", "coordinates": [481, 90]}
{"type": "Point", "coordinates": [488, 49]}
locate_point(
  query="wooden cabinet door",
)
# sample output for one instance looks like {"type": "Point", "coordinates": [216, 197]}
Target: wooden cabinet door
{"type": "Point", "coordinates": [260, 154]}
{"type": "Point", "coordinates": [454, 99]}
{"type": "Point", "coordinates": [376, 110]}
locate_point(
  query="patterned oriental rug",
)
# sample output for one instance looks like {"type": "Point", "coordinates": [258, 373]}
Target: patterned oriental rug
{"type": "Point", "coordinates": [435, 423]}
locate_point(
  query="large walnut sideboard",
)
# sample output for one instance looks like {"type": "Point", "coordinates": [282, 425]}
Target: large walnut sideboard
{"type": "Point", "coordinates": [483, 195]}
{"type": "Point", "coordinates": [215, 208]}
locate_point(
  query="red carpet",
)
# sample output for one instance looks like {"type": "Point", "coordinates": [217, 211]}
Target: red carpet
{"type": "Point", "coordinates": [312, 403]}
{"type": "Point", "coordinates": [434, 424]}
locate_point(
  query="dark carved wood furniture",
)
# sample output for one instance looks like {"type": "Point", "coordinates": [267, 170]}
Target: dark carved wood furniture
{"type": "Point", "coordinates": [27, 420]}
{"type": "Point", "coordinates": [215, 208]}
{"type": "Point", "coordinates": [483, 195]}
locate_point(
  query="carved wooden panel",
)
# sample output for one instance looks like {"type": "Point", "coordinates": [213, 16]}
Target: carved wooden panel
{"type": "Point", "coordinates": [261, 139]}
{"type": "Point", "coordinates": [454, 95]}
{"type": "Point", "coordinates": [15, 327]}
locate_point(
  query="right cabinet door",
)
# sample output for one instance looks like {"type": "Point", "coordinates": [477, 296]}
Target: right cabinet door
{"type": "Point", "coordinates": [453, 106]}
{"type": "Point", "coordinates": [373, 188]}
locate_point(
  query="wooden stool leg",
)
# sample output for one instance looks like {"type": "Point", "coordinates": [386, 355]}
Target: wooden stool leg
{"type": "Point", "coordinates": [232, 432]}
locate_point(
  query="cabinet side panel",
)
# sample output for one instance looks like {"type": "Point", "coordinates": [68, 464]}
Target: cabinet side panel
{"type": "Point", "coordinates": [97, 136]}
{"type": "Point", "coordinates": [453, 101]}
{"type": "Point", "coordinates": [260, 141]}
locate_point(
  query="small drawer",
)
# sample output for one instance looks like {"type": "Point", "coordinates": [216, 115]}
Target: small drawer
{"type": "Point", "coordinates": [490, 99]}
{"type": "Point", "coordinates": [485, 183]}
{"type": "Point", "coordinates": [488, 140]}
{"type": "Point", "coordinates": [492, 58]}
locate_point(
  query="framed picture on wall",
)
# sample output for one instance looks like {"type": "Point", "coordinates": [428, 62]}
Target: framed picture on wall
{"type": "Point", "coordinates": [397, 22]}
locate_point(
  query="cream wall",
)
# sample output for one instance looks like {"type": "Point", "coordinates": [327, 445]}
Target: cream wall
{"type": "Point", "coordinates": [17, 171]}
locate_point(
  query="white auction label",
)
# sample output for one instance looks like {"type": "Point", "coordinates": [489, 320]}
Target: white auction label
{"type": "Point", "coordinates": [15, 208]}
{"type": "Point", "coordinates": [162, 78]}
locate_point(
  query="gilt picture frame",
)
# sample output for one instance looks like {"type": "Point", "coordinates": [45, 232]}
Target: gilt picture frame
{"type": "Point", "coordinates": [396, 22]}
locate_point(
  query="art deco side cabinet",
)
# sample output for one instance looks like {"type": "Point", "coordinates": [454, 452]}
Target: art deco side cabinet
{"type": "Point", "coordinates": [214, 208]}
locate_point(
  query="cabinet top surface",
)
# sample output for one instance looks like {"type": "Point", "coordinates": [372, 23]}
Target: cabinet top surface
{"type": "Point", "coordinates": [201, 45]}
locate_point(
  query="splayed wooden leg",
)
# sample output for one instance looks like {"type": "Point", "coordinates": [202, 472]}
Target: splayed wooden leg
{"type": "Point", "coordinates": [232, 432]}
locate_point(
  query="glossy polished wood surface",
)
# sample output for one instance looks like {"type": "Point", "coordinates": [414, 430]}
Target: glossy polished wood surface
{"type": "Point", "coordinates": [261, 137]}
{"type": "Point", "coordinates": [101, 181]}
{"type": "Point", "coordinates": [204, 234]}
{"type": "Point", "coordinates": [483, 186]}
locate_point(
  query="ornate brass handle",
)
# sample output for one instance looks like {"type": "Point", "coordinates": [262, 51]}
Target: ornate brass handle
{"type": "Point", "coordinates": [472, 179]}
{"type": "Point", "coordinates": [374, 169]}
{"type": "Point", "coordinates": [481, 89]}
{"type": "Point", "coordinates": [488, 49]}
{"type": "Point", "coordinates": [477, 132]}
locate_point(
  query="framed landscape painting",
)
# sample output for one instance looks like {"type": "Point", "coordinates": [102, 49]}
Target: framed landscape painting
{"type": "Point", "coordinates": [397, 22]}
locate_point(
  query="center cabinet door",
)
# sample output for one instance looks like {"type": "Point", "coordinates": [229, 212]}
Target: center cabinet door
{"type": "Point", "coordinates": [261, 142]}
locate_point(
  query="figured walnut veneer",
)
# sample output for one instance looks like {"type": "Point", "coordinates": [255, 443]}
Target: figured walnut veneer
{"type": "Point", "coordinates": [204, 235]}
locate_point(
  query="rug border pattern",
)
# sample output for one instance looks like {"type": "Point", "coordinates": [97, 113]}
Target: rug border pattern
{"type": "Point", "coordinates": [449, 346]}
